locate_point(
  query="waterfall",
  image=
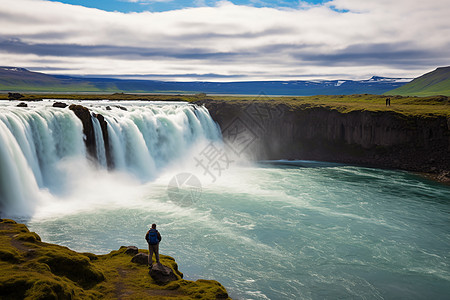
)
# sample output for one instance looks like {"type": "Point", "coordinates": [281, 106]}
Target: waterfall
{"type": "Point", "coordinates": [37, 142]}
{"type": "Point", "coordinates": [99, 141]}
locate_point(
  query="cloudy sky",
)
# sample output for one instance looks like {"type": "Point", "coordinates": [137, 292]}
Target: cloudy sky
{"type": "Point", "coordinates": [226, 40]}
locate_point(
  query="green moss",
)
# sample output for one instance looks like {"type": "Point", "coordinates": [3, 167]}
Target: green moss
{"type": "Point", "coordinates": [9, 256]}
{"type": "Point", "coordinates": [76, 267]}
{"type": "Point", "coordinates": [14, 287]}
{"type": "Point", "coordinates": [7, 221]}
{"type": "Point", "coordinates": [26, 283]}
{"type": "Point", "coordinates": [28, 237]}
{"type": "Point", "coordinates": [49, 289]}
{"type": "Point", "coordinates": [205, 289]}
{"type": "Point", "coordinates": [91, 256]}
{"type": "Point", "coordinates": [8, 253]}
{"type": "Point", "coordinates": [38, 267]}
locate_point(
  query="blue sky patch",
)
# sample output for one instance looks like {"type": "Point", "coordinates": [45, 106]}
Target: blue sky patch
{"type": "Point", "coordinates": [166, 5]}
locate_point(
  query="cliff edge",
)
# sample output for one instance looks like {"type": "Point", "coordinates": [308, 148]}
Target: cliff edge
{"type": "Point", "coordinates": [32, 269]}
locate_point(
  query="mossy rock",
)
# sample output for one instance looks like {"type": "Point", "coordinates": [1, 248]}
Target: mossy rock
{"type": "Point", "coordinates": [206, 289]}
{"type": "Point", "coordinates": [38, 284]}
{"type": "Point", "coordinates": [49, 289]}
{"type": "Point", "coordinates": [21, 228]}
{"type": "Point", "coordinates": [14, 287]}
{"type": "Point", "coordinates": [91, 256]}
{"type": "Point", "coordinates": [8, 221]}
{"type": "Point", "coordinates": [9, 256]}
{"type": "Point", "coordinates": [76, 267]}
{"type": "Point", "coordinates": [30, 237]}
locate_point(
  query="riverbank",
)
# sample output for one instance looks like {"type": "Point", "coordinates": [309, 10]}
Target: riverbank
{"type": "Point", "coordinates": [32, 269]}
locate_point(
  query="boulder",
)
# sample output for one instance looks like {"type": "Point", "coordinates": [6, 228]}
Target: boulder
{"type": "Point", "coordinates": [121, 107]}
{"type": "Point", "coordinates": [162, 274]}
{"type": "Point", "coordinates": [132, 250]}
{"type": "Point", "coordinates": [140, 259]}
{"type": "Point", "coordinates": [22, 104]}
{"type": "Point", "coordinates": [60, 104]}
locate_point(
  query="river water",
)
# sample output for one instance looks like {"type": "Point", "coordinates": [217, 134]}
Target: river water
{"type": "Point", "coordinates": [265, 230]}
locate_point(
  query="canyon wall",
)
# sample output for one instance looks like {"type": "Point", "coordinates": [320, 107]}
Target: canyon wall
{"type": "Point", "coordinates": [386, 139]}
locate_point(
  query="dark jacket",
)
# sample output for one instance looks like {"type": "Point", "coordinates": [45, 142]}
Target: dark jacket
{"type": "Point", "coordinates": [158, 235]}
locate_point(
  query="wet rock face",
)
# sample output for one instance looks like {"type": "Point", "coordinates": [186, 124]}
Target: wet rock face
{"type": "Point", "coordinates": [84, 115]}
{"type": "Point", "coordinates": [380, 139]}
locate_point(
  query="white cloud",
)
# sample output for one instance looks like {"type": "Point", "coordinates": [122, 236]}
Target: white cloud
{"type": "Point", "coordinates": [342, 38]}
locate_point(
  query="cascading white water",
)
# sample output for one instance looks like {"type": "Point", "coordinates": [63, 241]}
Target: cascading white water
{"type": "Point", "coordinates": [33, 140]}
{"type": "Point", "coordinates": [99, 141]}
{"type": "Point", "coordinates": [39, 142]}
{"type": "Point", "coordinates": [145, 138]}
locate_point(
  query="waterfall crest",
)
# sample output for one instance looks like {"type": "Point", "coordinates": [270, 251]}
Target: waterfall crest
{"type": "Point", "coordinates": [141, 139]}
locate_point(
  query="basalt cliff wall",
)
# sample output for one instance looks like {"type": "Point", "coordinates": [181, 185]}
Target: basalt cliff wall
{"type": "Point", "coordinates": [385, 139]}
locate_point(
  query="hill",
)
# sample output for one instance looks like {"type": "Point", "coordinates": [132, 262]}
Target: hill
{"type": "Point", "coordinates": [433, 83]}
{"type": "Point", "coordinates": [21, 80]}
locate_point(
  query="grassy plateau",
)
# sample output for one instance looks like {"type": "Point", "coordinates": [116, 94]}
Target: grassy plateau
{"type": "Point", "coordinates": [407, 105]}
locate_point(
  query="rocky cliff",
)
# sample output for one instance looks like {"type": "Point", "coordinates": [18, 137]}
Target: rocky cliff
{"type": "Point", "coordinates": [386, 139]}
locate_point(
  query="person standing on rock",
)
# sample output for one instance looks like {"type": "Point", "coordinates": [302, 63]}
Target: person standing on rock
{"type": "Point", "coordinates": [153, 238]}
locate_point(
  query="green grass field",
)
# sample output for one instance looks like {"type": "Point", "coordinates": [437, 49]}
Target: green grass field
{"type": "Point", "coordinates": [433, 105]}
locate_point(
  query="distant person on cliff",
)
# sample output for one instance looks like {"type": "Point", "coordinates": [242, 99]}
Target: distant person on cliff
{"type": "Point", "coordinates": [153, 238]}
{"type": "Point", "coordinates": [388, 101]}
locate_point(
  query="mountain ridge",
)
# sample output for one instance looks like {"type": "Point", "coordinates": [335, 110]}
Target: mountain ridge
{"type": "Point", "coordinates": [23, 80]}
